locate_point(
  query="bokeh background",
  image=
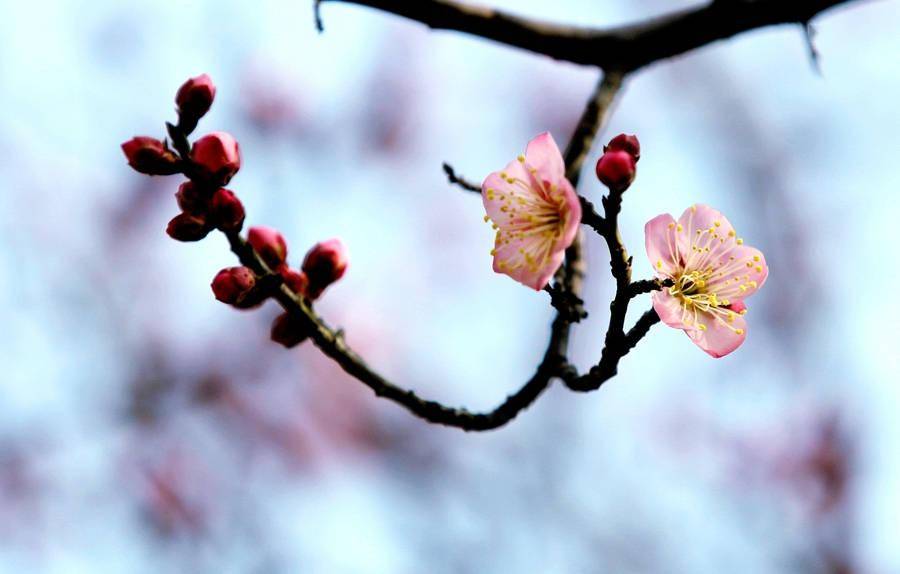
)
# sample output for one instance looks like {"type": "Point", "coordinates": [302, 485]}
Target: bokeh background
{"type": "Point", "coordinates": [144, 427]}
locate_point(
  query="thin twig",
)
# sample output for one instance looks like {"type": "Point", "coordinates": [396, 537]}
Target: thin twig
{"type": "Point", "coordinates": [646, 286]}
{"type": "Point", "coordinates": [617, 342]}
{"type": "Point", "coordinates": [455, 179]}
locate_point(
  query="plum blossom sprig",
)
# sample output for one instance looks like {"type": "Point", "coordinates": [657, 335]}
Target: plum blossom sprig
{"type": "Point", "coordinates": [535, 211]}
{"type": "Point", "coordinates": [262, 274]}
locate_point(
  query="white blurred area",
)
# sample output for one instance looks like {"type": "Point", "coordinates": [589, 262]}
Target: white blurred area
{"type": "Point", "coordinates": [144, 427]}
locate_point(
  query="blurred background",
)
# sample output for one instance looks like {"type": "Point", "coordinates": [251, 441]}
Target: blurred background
{"type": "Point", "coordinates": [145, 427]}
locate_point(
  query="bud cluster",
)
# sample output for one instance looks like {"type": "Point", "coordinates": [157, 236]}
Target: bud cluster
{"type": "Point", "coordinates": [210, 164]}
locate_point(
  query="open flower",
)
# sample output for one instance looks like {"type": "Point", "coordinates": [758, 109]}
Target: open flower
{"type": "Point", "coordinates": [713, 272]}
{"type": "Point", "coordinates": [535, 211]}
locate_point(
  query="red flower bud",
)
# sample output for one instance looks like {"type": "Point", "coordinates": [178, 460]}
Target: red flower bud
{"type": "Point", "coordinates": [217, 157]}
{"type": "Point", "coordinates": [187, 227]}
{"type": "Point", "coordinates": [288, 331]}
{"type": "Point", "coordinates": [324, 264]}
{"type": "Point", "coordinates": [192, 198]}
{"type": "Point", "coordinates": [233, 285]}
{"type": "Point", "coordinates": [626, 143]}
{"type": "Point", "coordinates": [270, 245]}
{"type": "Point", "coordinates": [295, 280]}
{"type": "Point", "coordinates": [150, 156]}
{"type": "Point", "coordinates": [226, 210]}
{"type": "Point", "coordinates": [195, 97]}
{"type": "Point", "coordinates": [616, 169]}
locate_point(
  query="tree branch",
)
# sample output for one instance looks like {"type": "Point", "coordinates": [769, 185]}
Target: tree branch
{"type": "Point", "coordinates": [459, 180]}
{"type": "Point", "coordinates": [618, 51]}
{"type": "Point", "coordinates": [568, 303]}
{"type": "Point", "coordinates": [617, 343]}
{"type": "Point", "coordinates": [624, 48]}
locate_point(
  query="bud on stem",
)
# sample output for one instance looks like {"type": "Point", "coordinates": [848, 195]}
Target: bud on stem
{"type": "Point", "coordinates": [150, 156]}
{"type": "Point", "coordinates": [324, 264]}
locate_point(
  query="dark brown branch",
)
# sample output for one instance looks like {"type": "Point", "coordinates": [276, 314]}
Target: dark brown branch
{"type": "Point", "coordinates": [459, 180]}
{"type": "Point", "coordinates": [332, 343]}
{"type": "Point", "coordinates": [646, 286]}
{"type": "Point", "coordinates": [641, 328]}
{"type": "Point", "coordinates": [590, 217]}
{"type": "Point", "coordinates": [566, 303]}
{"type": "Point", "coordinates": [617, 343]}
{"type": "Point", "coordinates": [597, 108]}
{"type": "Point", "coordinates": [554, 362]}
{"type": "Point", "coordinates": [624, 48]}
{"type": "Point", "coordinates": [618, 51]}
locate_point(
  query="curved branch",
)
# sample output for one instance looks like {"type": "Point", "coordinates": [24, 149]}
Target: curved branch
{"type": "Point", "coordinates": [332, 344]}
{"type": "Point", "coordinates": [554, 362]}
{"type": "Point", "coordinates": [623, 48]}
{"type": "Point", "coordinates": [618, 51]}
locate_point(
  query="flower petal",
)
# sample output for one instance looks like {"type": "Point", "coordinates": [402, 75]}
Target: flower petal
{"type": "Point", "coordinates": [660, 240]}
{"type": "Point", "coordinates": [669, 309]}
{"type": "Point", "coordinates": [543, 155]}
{"type": "Point", "coordinates": [706, 235]}
{"type": "Point", "coordinates": [740, 273]}
{"type": "Point", "coordinates": [699, 216]}
{"type": "Point", "coordinates": [510, 259]}
{"type": "Point", "coordinates": [719, 336]}
{"type": "Point", "coordinates": [497, 192]}
{"type": "Point", "coordinates": [570, 211]}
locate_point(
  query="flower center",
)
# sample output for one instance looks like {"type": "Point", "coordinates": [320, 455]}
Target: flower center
{"type": "Point", "coordinates": [690, 289]}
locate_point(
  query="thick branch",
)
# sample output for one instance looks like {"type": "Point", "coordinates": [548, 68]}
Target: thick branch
{"type": "Point", "coordinates": [624, 48]}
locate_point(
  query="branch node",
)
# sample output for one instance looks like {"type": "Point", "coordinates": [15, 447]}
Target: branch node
{"type": "Point", "coordinates": [568, 304]}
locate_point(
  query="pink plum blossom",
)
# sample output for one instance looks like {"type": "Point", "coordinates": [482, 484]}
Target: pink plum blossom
{"type": "Point", "coordinates": [713, 272]}
{"type": "Point", "coordinates": [535, 211]}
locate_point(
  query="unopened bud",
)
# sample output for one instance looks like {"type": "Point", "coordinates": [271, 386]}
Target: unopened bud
{"type": "Point", "coordinates": [150, 156]}
{"type": "Point", "coordinates": [626, 143]}
{"type": "Point", "coordinates": [295, 280]}
{"type": "Point", "coordinates": [194, 99]}
{"type": "Point", "coordinates": [233, 285]}
{"type": "Point", "coordinates": [192, 198]}
{"type": "Point", "coordinates": [217, 157]}
{"type": "Point", "coordinates": [324, 264]}
{"type": "Point", "coordinates": [187, 227]}
{"type": "Point", "coordinates": [226, 210]}
{"type": "Point", "coordinates": [270, 245]}
{"type": "Point", "coordinates": [616, 170]}
{"type": "Point", "coordinates": [288, 331]}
